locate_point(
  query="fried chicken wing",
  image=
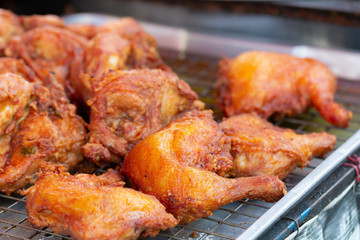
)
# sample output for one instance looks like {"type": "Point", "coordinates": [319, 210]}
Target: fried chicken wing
{"type": "Point", "coordinates": [127, 106]}
{"type": "Point", "coordinates": [178, 165]}
{"type": "Point", "coordinates": [93, 207]}
{"type": "Point", "coordinates": [50, 49]}
{"type": "Point", "coordinates": [17, 66]}
{"type": "Point", "coordinates": [278, 84]}
{"type": "Point", "coordinates": [34, 21]}
{"type": "Point", "coordinates": [9, 26]}
{"type": "Point", "coordinates": [260, 148]}
{"type": "Point", "coordinates": [38, 124]}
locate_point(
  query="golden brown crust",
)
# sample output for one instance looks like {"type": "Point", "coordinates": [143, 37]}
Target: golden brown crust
{"type": "Point", "coordinates": [260, 148]}
{"type": "Point", "coordinates": [17, 66]}
{"type": "Point", "coordinates": [143, 53]}
{"type": "Point", "coordinates": [127, 106]}
{"type": "Point", "coordinates": [278, 84]}
{"type": "Point", "coordinates": [46, 130]}
{"type": "Point", "coordinates": [117, 45]}
{"type": "Point", "coordinates": [105, 51]}
{"type": "Point", "coordinates": [50, 49]}
{"type": "Point", "coordinates": [93, 207]}
{"type": "Point", "coordinates": [173, 165]}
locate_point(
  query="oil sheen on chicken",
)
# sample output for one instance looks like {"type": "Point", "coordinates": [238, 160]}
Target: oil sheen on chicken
{"type": "Point", "coordinates": [260, 148]}
{"type": "Point", "coordinates": [90, 207]}
{"type": "Point", "coordinates": [127, 106]}
{"type": "Point", "coordinates": [278, 84]}
{"type": "Point", "coordinates": [181, 165]}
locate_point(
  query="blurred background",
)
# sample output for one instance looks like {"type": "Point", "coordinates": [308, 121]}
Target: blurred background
{"type": "Point", "coordinates": [330, 24]}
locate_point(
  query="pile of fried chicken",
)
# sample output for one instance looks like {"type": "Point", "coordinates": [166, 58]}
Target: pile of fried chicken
{"type": "Point", "coordinates": [102, 94]}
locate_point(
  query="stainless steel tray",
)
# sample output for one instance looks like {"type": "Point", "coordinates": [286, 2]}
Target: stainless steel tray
{"type": "Point", "coordinates": [194, 57]}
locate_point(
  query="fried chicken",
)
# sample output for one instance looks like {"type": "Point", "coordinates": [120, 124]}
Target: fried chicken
{"type": "Point", "coordinates": [50, 49]}
{"type": "Point", "coordinates": [18, 66]}
{"type": "Point", "coordinates": [118, 45]}
{"type": "Point", "coordinates": [37, 124]}
{"type": "Point", "coordinates": [93, 207]}
{"type": "Point", "coordinates": [127, 106]}
{"type": "Point", "coordinates": [143, 52]}
{"type": "Point", "coordinates": [178, 165]}
{"type": "Point", "coordinates": [278, 84]}
{"type": "Point", "coordinates": [103, 52]}
{"type": "Point", "coordinates": [34, 21]}
{"type": "Point", "coordinates": [10, 26]}
{"type": "Point", "coordinates": [260, 148]}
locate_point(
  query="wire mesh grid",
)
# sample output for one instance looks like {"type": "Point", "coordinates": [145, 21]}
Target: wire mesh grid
{"type": "Point", "coordinates": [230, 221]}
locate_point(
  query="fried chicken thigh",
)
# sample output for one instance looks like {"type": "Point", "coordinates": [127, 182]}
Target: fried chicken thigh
{"type": "Point", "coordinates": [179, 166]}
{"type": "Point", "coordinates": [37, 124]}
{"type": "Point", "coordinates": [260, 148]}
{"type": "Point", "coordinates": [51, 49]}
{"type": "Point", "coordinates": [278, 84]}
{"type": "Point", "coordinates": [90, 207]}
{"type": "Point", "coordinates": [127, 106]}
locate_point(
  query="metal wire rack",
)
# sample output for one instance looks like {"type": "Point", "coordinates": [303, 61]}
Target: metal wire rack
{"type": "Point", "coordinates": [230, 221]}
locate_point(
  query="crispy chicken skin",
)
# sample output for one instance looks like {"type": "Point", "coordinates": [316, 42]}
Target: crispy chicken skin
{"type": "Point", "coordinates": [15, 93]}
{"type": "Point", "coordinates": [278, 84]}
{"type": "Point", "coordinates": [127, 106]}
{"type": "Point", "coordinates": [143, 52]}
{"type": "Point", "coordinates": [38, 124]}
{"type": "Point", "coordinates": [51, 49]}
{"type": "Point", "coordinates": [178, 166]}
{"type": "Point", "coordinates": [90, 207]}
{"type": "Point", "coordinates": [260, 148]}
{"type": "Point", "coordinates": [103, 52]}
{"type": "Point", "coordinates": [17, 66]}
{"type": "Point", "coordinates": [10, 26]}
{"type": "Point", "coordinates": [34, 21]}
{"type": "Point", "coordinates": [106, 51]}
{"type": "Point", "coordinates": [118, 45]}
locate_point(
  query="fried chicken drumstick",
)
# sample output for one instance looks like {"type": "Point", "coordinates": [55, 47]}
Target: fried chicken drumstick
{"type": "Point", "coordinates": [127, 106]}
{"type": "Point", "coordinates": [260, 148]}
{"type": "Point", "coordinates": [90, 207]}
{"type": "Point", "coordinates": [37, 124]}
{"type": "Point", "coordinates": [178, 165]}
{"type": "Point", "coordinates": [278, 84]}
